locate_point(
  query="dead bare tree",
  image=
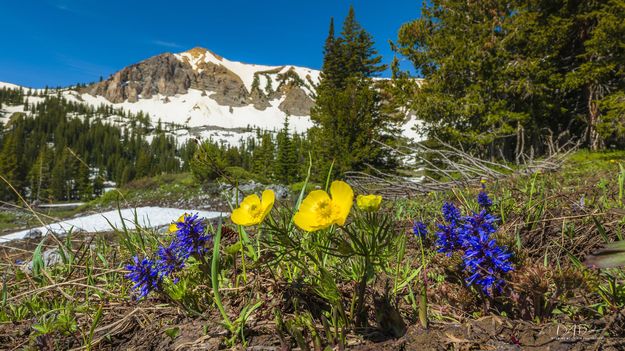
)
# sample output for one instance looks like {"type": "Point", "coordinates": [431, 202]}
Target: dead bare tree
{"type": "Point", "coordinates": [448, 166]}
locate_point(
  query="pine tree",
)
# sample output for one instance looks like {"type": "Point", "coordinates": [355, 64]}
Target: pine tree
{"type": "Point", "coordinates": [144, 163]}
{"type": "Point", "coordinates": [499, 73]}
{"type": "Point", "coordinates": [84, 182]}
{"type": "Point", "coordinates": [264, 156]}
{"type": "Point", "coordinates": [347, 115]}
{"type": "Point", "coordinates": [40, 175]}
{"type": "Point", "coordinates": [286, 165]}
{"type": "Point", "coordinates": [208, 162]}
{"type": "Point", "coordinates": [58, 182]}
{"type": "Point", "coordinates": [9, 168]}
{"type": "Point", "coordinates": [98, 184]}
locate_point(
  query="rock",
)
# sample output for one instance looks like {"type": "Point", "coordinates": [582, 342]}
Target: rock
{"type": "Point", "coordinates": [33, 234]}
{"type": "Point", "coordinates": [243, 190]}
{"type": "Point", "coordinates": [296, 102]}
{"type": "Point", "coordinates": [50, 257]}
{"type": "Point", "coordinates": [282, 192]}
{"type": "Point", "coordinates": [259, 99]}
{"type": "Point", "coordinates": [168, 75]}
{"type": "Point", "coordinates": [163, 74]}
{"type": "Point", "coordinates": [250, 187]}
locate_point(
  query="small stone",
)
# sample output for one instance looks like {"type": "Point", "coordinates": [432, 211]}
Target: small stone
{"type": "Point", "coordinates": [50, 258]}
{"type": "Point", "coordinates": [33, 234]}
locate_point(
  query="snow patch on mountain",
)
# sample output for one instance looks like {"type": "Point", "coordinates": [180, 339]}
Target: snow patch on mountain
{"type": "Point", "coordinates": [195, 110]}
{"type": "Point", "coordinates": [245, 71]}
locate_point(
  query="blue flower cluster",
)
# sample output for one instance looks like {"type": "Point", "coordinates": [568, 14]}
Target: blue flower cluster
{"type": "Point", "coordinates": [484, 261]}
{"type": "Point", "coordinates": [145, 275]}
{"type": "Point", "coordinates": [420, 229]}
{"type": "Point", "coordinates": [190, 239]}
{"type": "Point", "coordinates": [484, 200]}
{"type": "Point", "coordinates": [448, 235]}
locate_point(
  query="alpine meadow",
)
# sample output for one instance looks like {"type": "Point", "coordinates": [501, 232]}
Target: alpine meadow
{"type": "Point", "coordinates": [436, 175]}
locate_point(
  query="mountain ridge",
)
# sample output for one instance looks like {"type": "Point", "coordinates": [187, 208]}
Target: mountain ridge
{"type": "Point", "coordinates": [229, 83]}
{"type": "Point", "coordinates": [210, 96]}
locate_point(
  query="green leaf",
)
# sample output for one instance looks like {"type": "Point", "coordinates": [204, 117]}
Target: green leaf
{"type": "Point", "coordinates": [38, 263]}
{"type": "Point", "coordinates": [172, 332]}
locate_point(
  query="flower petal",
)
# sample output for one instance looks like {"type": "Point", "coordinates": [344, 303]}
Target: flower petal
{"type": "Point", "coordinates": [313, 199]}
{"type": "Point", "coordinates": [343, 198]}
{"type": "Point", "coordinates": [242, 217]}
{"type": "Point", "coordinates": [305, 221]}
{"type": "Point", "coordinates": [250, 201]}
{"type": "Point", "coordinates": [173, 227]}
{"type": "Point", "coordinates": [307, 217]}
{"type": "Point", "coordinates": [267, 201]}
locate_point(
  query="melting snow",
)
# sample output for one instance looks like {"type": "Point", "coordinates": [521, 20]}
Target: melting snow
{"type": "Point", "coordinates": [148, 217]}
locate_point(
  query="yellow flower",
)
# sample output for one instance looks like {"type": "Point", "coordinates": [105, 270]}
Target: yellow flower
{"type": "Point", "coordinates": [369, 202]}
{"type": "Point", "coordinates": [253, 209]}
{"type": "Point", "coordinates": [320, 210]}
{"type": "Point", "coordinates": [174, 226]}
{"type": "Point", "coordinates": [612, 161]}
{"type": "Point", "coordinates": [483, 181]}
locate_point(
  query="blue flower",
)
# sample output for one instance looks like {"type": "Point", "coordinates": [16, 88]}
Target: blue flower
{"type": "Point", "coordinates": [420, 229]}
{"type": "Point", "coordinates": [170, 259]}
{"type": "Point", "coordinates": [145, 275]}
{"type": "Point", "coordinates": [191, 235]}
{"type": "Point", "coordinates": [484, 200]}
{"type": "Point", "coordinates": [451, 213]}
{"type": "Point", "coordinates": [484, 261]}
{"type": "Point", "coordinates": [478, 223]}
{"type": "Point", "coordinates": [449, 239]}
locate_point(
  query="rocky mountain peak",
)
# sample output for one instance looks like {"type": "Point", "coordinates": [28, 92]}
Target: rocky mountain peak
{"type": "Point", "coordinates": [199, 52]}
{"type": "Point", "coordinates": [229, 83]}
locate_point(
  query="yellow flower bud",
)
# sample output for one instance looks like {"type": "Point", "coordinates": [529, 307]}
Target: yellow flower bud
{"type": "Point", "coordinates": [369, 202]}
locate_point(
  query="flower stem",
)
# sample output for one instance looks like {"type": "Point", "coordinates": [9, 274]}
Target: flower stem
{"type": "Point", "coordinates": [215, 277]}
{"type": "Point", "coordinates": [423, 301]}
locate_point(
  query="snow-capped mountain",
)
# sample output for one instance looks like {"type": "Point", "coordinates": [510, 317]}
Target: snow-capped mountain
{"type": "Point", "coordinates": [211, 96]}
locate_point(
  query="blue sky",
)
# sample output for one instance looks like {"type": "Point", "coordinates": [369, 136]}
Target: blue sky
{"type": "Point", "coordinates": [62, 42]}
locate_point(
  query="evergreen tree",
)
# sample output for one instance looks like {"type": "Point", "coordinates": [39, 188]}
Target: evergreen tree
{"type": "Point", "coordinates": [98, 184]}
{"type": "Point", "coordinates": [264, 156]}
{"type": "Point", "coordinates": [347, 115]}
{"type": "Point", "coordinates": [208, 162]}
{"type": "Point", "coordinates": [504, 75]}
{"type": "Point", "coordinates": [60, 182]}
{"type": "Point", "coordinates": [286, 167]}
{"type": "Point", "coordinates": [84, 183]}
{"type": "Point", "coordinates": [40, 175]}
{"type": "Point", "coordinates": [9, 168]}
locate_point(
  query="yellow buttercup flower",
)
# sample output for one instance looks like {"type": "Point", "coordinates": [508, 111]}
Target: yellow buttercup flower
{"type": "Point", "coordinates": [320, 210]}
{"type": "Point", "coordinates": [369, 202]}
{"type": "Point", "coordinates": [174, 226]}
{"type": "Point", "coordinates": [253, 209]}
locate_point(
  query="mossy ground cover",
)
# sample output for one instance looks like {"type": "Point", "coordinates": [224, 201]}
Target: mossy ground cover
{"type": "Point", "coordinates": [281, 288]}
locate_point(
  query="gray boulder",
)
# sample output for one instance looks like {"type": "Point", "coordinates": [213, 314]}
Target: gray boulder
{"type": "Point", "coordinates": [282, 192]}
{"type": "Point", "coordinates": [50, 257]}
{"type": "Point", "coordinates": [33, 234]}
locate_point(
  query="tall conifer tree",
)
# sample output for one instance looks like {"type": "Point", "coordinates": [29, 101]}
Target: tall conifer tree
{"type": "Point", "coordinates": [347, 115]}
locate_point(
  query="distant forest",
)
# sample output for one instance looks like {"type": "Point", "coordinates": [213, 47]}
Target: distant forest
{"type": "Point", "coordinates": [59, 150]}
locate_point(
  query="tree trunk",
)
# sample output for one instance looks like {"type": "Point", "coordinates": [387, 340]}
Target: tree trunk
{"type": "Point", "coordinates": [594, 139]}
